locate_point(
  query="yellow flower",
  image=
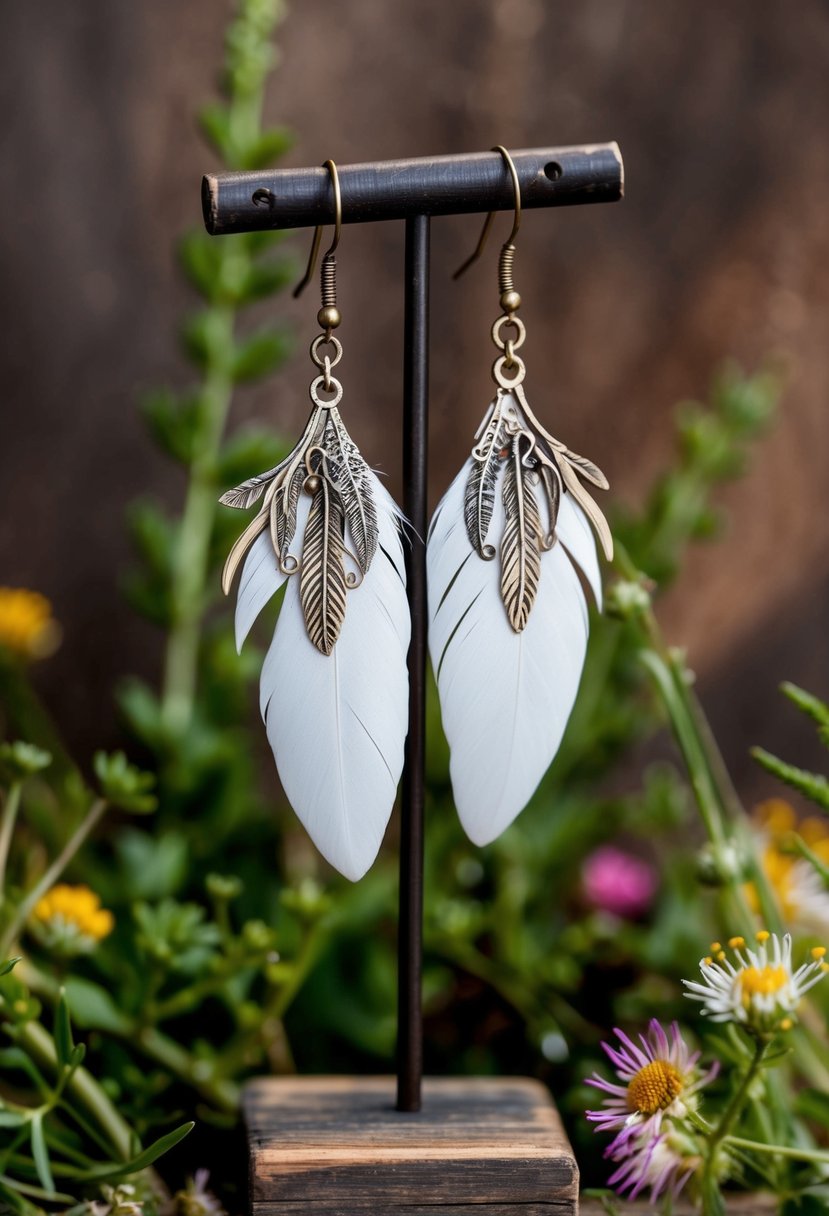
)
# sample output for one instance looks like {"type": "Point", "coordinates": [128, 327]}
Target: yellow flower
{"type": "Point", "coordinates": [801, 895]}
{"type": "Point", "coordinates": [71, 919]}
{"type": "Point", "coordinates": [27, 627]}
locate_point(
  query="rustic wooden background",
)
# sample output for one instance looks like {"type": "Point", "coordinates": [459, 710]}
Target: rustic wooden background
{"type": "Point", "coordinates": [720, 249]}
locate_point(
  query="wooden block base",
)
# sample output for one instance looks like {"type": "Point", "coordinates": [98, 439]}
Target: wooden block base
{"type": "Point", "coordinates": [335, 1145]}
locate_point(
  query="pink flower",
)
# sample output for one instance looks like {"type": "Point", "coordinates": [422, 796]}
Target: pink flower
{"type": "Point", "coordinates": [618, 882]}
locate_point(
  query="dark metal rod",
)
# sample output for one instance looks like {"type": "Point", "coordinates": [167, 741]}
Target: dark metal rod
{"type": "Point", "coordinates": [397, 189]}
{"type": "Point", "coordinates": [415, 434]}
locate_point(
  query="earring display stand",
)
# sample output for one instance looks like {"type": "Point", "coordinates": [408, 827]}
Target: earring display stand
{"type": "Point", "coordinates": [342, 1145]}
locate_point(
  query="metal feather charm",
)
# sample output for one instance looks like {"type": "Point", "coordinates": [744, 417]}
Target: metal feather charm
{"type": "Point", "coordinates": [479, 499]}
{"type": "Point", "coordinates": [341, 523]}
{"type": "Point", "coordinates": [322, 582]}
{"type": "Point", "coordinates": [516, 449]}
{"type": "Point", "coordinates": [350, 474]}
{"type": "Point", "coordinates": [520, 545]}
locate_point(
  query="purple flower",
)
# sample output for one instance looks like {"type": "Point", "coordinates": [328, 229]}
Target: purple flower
{"type": "Point", "coordinates": [657, 1078]}
{"type": "Point", "coordinates": [618, 882]}
{"type": "Point", "coordinates": [663, 1161]}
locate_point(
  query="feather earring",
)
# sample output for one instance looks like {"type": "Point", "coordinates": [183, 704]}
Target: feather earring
{"type": "Point", "coordinates": [508, 620]}
{"type": "Point", "coordinates": [334, 684]}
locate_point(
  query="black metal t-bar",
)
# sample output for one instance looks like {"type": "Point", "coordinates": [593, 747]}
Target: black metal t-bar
{"type": "Point", "coordinates": [397, 189]}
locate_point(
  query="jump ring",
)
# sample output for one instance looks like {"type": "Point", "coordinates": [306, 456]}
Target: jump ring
{"type": "Point", "coordinates": [520, 331]}
{"type": "Point", "coordinates": [319, 383]}
{"type": "Point", "coordinates": [317, 343]}
{"type": "Point", "coordinates": [500, 378]}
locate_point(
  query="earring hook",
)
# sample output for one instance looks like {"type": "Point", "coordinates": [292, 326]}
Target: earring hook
{"type": "Point", "coordinates": [315, 243]}
{"type": "Point", "coordinates": [516, 223]}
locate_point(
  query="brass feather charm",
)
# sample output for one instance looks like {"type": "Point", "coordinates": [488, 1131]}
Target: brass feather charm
{"type": "Point", "coordinates": [520, 551]}
{"type": "Point", "coordinates": [322, 582]}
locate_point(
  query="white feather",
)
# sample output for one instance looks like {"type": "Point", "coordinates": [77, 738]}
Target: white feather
{"type": "Point", "coordinates": [505, 696]}
{"type": "Point", "coordinates": [261, 576]}
{"type": "Point", "coordinates": [337, 723]}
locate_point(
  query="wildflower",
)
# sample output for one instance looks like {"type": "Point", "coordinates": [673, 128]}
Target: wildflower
{"type": "Point", "coordinates": [663, 1161]}
{"type": "Point", "coordinates": [759, 989]}
{"type": "Point", "coordinates": [801, 895]}
{"type": "Point", "coordinates": [70, 920]}
{"type": "Point", "coordinates": [618, 882]}
{"type": "Point", "coordinates": [196, 1200]}
{"type": "Point", "coordinates": [119, 1201]}
{"type": "Point", "coordinates": [27, 627]}
{"type": "Point", "coordinates": [658, 1079]}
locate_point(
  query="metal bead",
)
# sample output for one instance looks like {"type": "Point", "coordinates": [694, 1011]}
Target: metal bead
{"type": "Point", "coordinates": [510, 300]}
{"type": "Point", "coordinates": [312, 484]}
{"type": "Point", "coordinates": [329, 317]}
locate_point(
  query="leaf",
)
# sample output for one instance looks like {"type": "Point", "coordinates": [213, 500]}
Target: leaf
{"type": "Point", "coordinates": [479, 497]}
{"type": "Point", "coordinates": [175, 422]}
{"type": "Point", "coordinates": [41, 1153]}
{"type": "Point", "coordinates": [350, 474]}
{"type": "Point", "coordinates": [9, 965]}
{"type": "Point", "coordinates": [124, 785]}
{"type": "Point", "coordinates": [813, 1104]}
{"type": "Point", "coordinates": [808, 704]}
{"type": "Point", "coordinates": [265, 278]}
{"type": "Point", "coordinates": [251, 448]}
{"type": "Point", "coordinates": [260, 354]}
{"type": "Point", "coordinates": [520, 554]}
{"type": "Point", "coordinates": [214, 121]}
{"type": "Point", "coordinates": [804, 1205]}
{"type": "Point", "coordinates": [154, 535]}
{"type": "Point", "coordinates": [812, 785]}
{"type": "Point", "coordinates": [200, 256]}
{"type": "Point", "coordinates": [157, 1149]}
{"type": "Point", "coordinates": [322, 586]}
{"type": "Point", "coordinates": [94, 1008]}
{"type": "Point", "coordinates": [64, 1045]}
{"type": "Point", "coordinates": [267, 147]}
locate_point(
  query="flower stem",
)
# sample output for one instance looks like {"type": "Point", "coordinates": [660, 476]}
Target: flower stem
{"type": "Point", "coordinates": [738, 1099]}
{"type": "Point", "coordinates": [10, 809]}
{"type": "Point", "coordinates": [819, 1156]}
{"type": "Point", "coordinates": [54, 871]}
{"type": "Point", "coordinates": [82, 1085]}
{"type": "Point", "coordinates": [193, 547]}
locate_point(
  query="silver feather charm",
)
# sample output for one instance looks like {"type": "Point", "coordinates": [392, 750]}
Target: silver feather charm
{"type": "Point", "coordinates": [479, 499]}
{"type": "Point", "coordinates": [350, 474]}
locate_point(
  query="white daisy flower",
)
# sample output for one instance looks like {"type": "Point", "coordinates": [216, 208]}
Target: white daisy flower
{"type": "Point", "coordinates": [760, 988]}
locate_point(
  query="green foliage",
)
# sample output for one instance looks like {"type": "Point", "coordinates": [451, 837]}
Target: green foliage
{"type": "Point", "coordinates": [123, 785]}
{"type": "Point", "coordinates": [813, 786]}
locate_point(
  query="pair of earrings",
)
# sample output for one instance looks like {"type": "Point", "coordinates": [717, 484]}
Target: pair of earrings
{"type": "Point", "coordinates": [507, 638]}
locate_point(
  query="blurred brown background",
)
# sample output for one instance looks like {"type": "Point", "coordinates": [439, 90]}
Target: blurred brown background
{"type": "Point", "coordinates": [721, 248]}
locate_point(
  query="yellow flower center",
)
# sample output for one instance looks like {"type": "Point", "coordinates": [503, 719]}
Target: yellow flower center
{"type": "Point", "coordinates": [78, 907]}
{"type": "Point", "coordinates": [761, 981]}
{"type": "Point", "coordinates": [654, 1087]}
{"type": "Point", "coordinates": [26, 624]}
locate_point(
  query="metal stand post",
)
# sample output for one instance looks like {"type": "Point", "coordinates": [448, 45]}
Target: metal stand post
{"type": "Point", "coordinates": [415, 434]}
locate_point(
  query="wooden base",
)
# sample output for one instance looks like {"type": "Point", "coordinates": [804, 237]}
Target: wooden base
{"type": "Point", "coordinates": [335, 1145]}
